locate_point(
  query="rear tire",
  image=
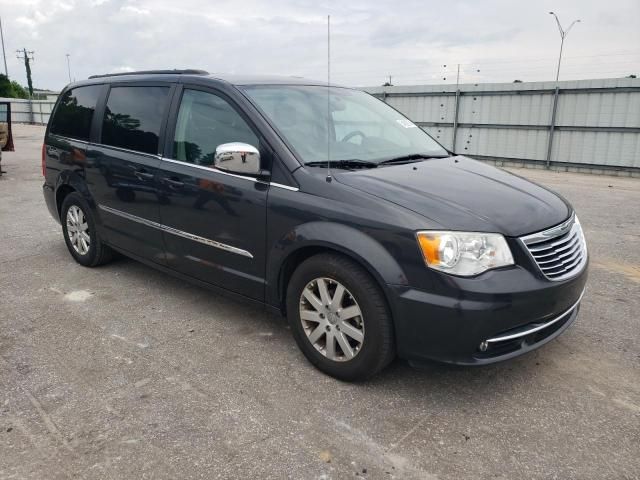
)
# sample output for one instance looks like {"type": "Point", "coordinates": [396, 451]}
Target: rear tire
{"type": "Point", "coordinates": [340, 318]}
{"type": "Point", "coordinates": [80, 235]}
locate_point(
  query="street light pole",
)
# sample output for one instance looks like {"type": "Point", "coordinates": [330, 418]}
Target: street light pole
{"type": "Point", "coordinates": [69, 66]}
{"type": "Point", "coordinates": [563, 35]}
{"type": "Point", "coordinates": [4, 56]}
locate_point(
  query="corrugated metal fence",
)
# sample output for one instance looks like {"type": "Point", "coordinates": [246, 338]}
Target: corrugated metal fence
{"type": "Point", "coordinates": [588, 123]}
{"type": "Point", "coordinates": [591, 124]}
{"type": "Point", "coordinates": [30, 111]}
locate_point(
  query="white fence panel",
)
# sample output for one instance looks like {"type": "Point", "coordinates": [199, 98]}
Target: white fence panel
{"type": "Point", "coordinates": [597, 122]}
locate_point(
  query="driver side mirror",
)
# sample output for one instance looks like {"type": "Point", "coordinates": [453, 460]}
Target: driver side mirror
{"type": "Point", "coordinates": [237, 157]}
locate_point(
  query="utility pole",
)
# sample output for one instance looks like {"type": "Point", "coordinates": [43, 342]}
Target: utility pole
{"type": "Point", "coordinates": [69, 67]}
{"type": "Point", "coordinates": [4, 56]}
{"type": "Point", "coordinates": [27, 56]}
{"type": "Point", "coordinates": [563, 35]}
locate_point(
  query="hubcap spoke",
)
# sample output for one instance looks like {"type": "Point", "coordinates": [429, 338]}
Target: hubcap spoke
{"type": "Point", "coordinates": [344, 345]}
{"type": "Point", "coordinates": [350, 312]}
{"type": "Point", "coordinates": [331, 346]}
{"type": "Point", "coordinates": [312, 299]}
{"type": "Point", "coordinates": [317, 333]}
{"type": "Point", "coordinates": [354, 333]}
{"type": "Point", "coordinates": [324, 294]}
{"type": "Point", "coordinates": [310, 316]}
{"type": "Point", "coordinates": [336, 301]}
{"type": "Point", "coordinates": [331, 319]}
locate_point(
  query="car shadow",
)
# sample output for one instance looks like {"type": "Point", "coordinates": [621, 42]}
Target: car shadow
{"type": "Point", "coordinates": [457, 381]}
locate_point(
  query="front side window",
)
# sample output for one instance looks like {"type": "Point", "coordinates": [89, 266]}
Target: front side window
{"type": "Point", "coordinates": [73, 115]}
{"type": "Point", "coordinates": [133, 117]}
{"type": "Point", "coordinates": [349, 124]}
{"type": "Point", "coordinates": [205, 121]}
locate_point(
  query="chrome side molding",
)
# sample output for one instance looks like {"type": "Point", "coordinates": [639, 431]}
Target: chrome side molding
{"type": "Point", "coordinates": [179, 233]}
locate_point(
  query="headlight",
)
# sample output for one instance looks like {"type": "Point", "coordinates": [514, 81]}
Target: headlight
{"type": "Point", "coordinates": [464, 253]}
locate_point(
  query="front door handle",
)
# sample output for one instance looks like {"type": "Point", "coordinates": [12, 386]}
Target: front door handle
{"type": "Point", "coordinates": [143, 175]}
{"type": "Point", "coordinates": [173, 183]}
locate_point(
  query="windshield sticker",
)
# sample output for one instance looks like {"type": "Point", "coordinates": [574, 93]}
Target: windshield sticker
{"type": "Point", "coordinates": [406, 123]}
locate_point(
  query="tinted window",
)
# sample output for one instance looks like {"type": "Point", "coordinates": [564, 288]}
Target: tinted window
{"type": "Point", "coordinates": [73, 115]}
{"type": "Point", "coordinates": [205, 121]}
{"type": "Point", "coordinates": [133, 117]}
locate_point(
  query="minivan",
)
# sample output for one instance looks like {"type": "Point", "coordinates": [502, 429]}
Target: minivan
{"type": "Point", "coordinates": [319, 202]}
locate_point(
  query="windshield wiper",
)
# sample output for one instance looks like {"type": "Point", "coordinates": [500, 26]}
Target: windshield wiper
{"type": "Point", "coordinates": [415, 157]}
{"type": "Point", "coordinates": [350, 163]}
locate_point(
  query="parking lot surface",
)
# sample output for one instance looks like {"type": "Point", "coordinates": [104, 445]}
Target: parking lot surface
{"type": "Point", "coordinates": [125, 372]}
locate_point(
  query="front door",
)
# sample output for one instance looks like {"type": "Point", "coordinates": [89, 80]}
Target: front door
{"type": "Point", "coordinates": [122, 168]}
{"type": "Point", "coordinates": [214, 222]}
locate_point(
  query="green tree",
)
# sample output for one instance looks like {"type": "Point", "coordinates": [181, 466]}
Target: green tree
{"type": "Point", "coordinates": [11, 89]}
{"type": "Point", "coordinates": [18, 90]}
{"type": "Point", "coordinates": [6, 89]}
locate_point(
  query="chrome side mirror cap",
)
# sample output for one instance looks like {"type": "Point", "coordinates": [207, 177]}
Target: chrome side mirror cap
{"type": "Point", "coordinates": [237, 157]}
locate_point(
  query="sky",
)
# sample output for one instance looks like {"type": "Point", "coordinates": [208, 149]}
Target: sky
{"type": "Point", "coordinates": [416, 42]}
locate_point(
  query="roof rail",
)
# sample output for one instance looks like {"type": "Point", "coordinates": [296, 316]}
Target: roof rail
{"type": "Point", "coordinates": [155, 72]}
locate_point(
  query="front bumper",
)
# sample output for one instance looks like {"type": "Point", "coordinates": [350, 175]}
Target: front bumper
{"type": "Point", "coordinates": [494, 317]}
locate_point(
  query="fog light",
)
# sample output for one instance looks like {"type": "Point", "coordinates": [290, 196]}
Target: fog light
{"type": "Point", "coordinates": [483, 346]}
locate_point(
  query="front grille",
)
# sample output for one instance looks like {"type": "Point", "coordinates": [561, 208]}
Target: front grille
{"type": "Point", "coordinates": [560, 252]}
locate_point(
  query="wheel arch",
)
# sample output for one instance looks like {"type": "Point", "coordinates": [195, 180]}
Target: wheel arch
{"type": "Point", "coordinates": [68, 182]}
{"type": "Point", "coordinates": [321, 237]}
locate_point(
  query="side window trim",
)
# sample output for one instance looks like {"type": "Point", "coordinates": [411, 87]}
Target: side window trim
{"type": "Point", "coordinates": [98, 114]}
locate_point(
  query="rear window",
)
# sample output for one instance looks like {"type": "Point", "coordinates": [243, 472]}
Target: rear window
{"type": "Point", "coordinates": [133, 117]}
{"type": "Point", "coordinates": [73, 115]}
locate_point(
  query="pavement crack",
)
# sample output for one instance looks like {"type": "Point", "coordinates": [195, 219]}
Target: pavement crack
{"type": "Point", "coordinates": [407, 434]}
{"type": "Point", "coordinates": [49, 423]}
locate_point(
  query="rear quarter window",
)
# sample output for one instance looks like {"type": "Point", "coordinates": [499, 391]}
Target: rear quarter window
{"type": "Point", "coordinates": [74, 113]}
{"type": "Point", "coordinates": [133, 117]}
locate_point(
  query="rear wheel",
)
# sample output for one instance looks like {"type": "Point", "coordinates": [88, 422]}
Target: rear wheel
{"type": "Point", "coordinates": [339, 317]}
{"type": "Point", "coordinates": [80, 235]}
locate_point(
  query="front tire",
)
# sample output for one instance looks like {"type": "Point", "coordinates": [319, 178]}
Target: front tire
{"type": "Point", "coordinates": [340, 318]}
{"type": "Point", "coordinates": [80, 235]}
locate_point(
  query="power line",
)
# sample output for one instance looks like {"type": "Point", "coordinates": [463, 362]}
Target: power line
{"type": "Point", "coordinates": [479, 64]}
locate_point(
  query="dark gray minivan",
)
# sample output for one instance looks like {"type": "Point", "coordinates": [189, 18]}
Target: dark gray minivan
{"type": "Point", "coordinates": [319, 202]}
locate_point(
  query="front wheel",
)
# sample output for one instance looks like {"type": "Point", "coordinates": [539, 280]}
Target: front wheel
{"type": "Point", "coordinates": [339, 317]}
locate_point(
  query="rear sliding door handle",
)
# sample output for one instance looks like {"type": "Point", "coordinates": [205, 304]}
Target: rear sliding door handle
{"type": "Point", "coordinates": [173, 183]}
{"type": "Point", "coordinates": [143, 175]}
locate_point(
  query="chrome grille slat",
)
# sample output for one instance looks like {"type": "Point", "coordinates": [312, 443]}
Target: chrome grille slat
{"type": "Point", "coordinates": [564, 260]}
{"type": "Point", "coordinates": [551, 245]}
{"type": "Point", "coordinates": [564, 255]}
{"type": "Point", "coordinates": [572, 242]}
{"type": "Point", "coordinates": [559, 252]}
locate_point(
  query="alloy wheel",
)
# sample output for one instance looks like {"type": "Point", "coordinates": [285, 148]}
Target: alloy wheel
{"type": "Point", "coordinates": [78, 230]}
{"type": "Point", "coordinates": [332, 319]}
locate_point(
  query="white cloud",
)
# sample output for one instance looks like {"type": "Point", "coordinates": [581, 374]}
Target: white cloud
{"type": "Point", "coordinates": [134, 10]}
{"type": "Point", "coordinates": [410, 40]}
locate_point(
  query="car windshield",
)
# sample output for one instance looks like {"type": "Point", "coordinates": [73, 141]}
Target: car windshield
{"type": "Point", "coordinates": [360, 127]}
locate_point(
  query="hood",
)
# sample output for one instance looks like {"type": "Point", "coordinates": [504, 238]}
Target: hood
{"type": "Point", "coordinates": [459, 193]}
